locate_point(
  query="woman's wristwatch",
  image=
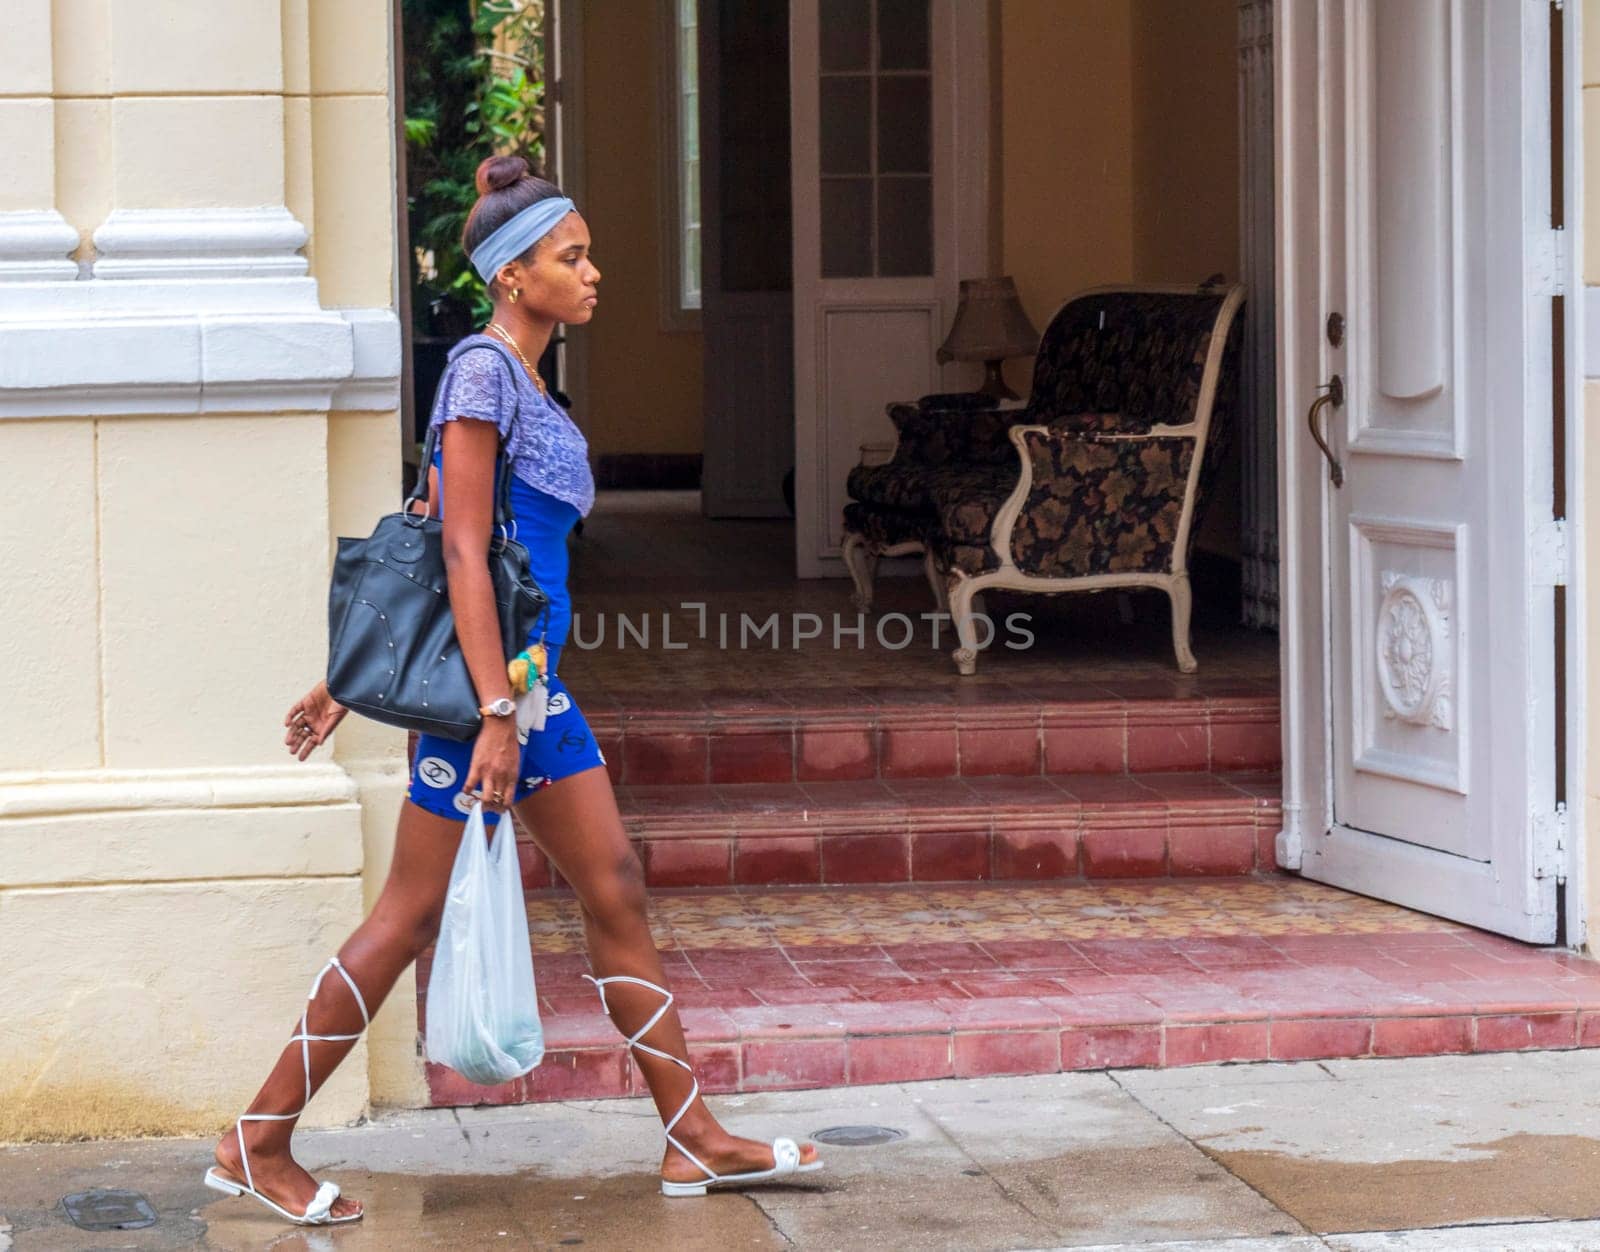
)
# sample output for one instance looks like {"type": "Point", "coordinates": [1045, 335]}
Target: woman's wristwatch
{"type": "Point", "coordinates": [503, 707]}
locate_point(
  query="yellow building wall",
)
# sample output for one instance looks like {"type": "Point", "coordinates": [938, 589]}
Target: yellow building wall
{"type": "Point", "coordinates": [1185, 140]}
{"type": "Point", "coordinates": [169, 881]}
{"type": "Point", "coordinates": [644, 382]}
{"type": "Point", "coordinates": [1067, 151]}
{"type": "Point", "coordinates": [1120, 161]}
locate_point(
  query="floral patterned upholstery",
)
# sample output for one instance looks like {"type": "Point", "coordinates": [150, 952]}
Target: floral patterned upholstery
{"type": "Point", "coordinates": [1107, 492]}
{"type": "Point", "coordinates": [934, 431]}
{"type": "Point", "coordinates": [886, 528]}
{"type": "Point", "coordinates": [1138, 354]}
{"type": "Point", "coordinates": [1101, 506]}
{"type": "Point", "coordinates": [919, 491]}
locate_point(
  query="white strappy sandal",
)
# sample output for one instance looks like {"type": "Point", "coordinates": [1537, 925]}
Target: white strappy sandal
{"type": "Point", "coordinates": [785, 1152]}
{"type": "Point", "coordinates": [318, 1212]}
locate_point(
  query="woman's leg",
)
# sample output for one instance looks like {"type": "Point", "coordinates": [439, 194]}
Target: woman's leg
{"type": "Point", "coordinates": [401, 925]}
{"type": "Point", "coordinates": [576, 823]}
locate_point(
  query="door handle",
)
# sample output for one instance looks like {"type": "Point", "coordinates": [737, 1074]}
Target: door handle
{"type": "Point", "coordinates": [1333, 393]}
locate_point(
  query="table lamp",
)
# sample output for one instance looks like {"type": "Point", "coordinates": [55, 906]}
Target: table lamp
{"type": "Point", "coordinates": [990, 326]}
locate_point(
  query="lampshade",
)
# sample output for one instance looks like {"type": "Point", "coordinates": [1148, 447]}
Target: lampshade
{"type": "Point", "coordinates": [990, 323]}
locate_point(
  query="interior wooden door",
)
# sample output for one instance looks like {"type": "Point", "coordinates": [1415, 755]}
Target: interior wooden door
{"type": "Point", "coordinates": [889, 118]}
{"type": "Point", "coordinates": [747, 303]}
{"type": "Point", "coordinates": [1417, 297]}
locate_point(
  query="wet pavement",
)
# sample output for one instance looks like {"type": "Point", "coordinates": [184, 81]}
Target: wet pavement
{"type": "Point", "coordinates": [1479, 1152]}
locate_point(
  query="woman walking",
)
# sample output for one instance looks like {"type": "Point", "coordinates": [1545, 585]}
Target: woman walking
{"type": "Point", "coordinates": [532, 247]}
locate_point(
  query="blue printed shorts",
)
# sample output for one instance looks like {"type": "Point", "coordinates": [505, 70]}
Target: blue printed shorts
{"type": "Point", "coordinates": [563, 748]}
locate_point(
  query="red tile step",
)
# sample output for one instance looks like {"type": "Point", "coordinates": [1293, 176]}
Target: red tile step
{"type": "Point", "coordinates": [1058, 826]}
{"type": "Point", "coordinates": [924, 1011]}
{"type": "Point", "coordinates": [913, 733]}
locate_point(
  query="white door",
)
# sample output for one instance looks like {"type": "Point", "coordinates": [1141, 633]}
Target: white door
{"type": "Point", "coordinates": [747, 293]}
{"type": "Point", "coordinates": [889, 108]}
{"type": "Point", "coordinates": [1416, 294]}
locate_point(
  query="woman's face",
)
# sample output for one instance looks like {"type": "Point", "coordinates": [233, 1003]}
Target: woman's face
{"type": "Point", "coordinates": [559, 283]}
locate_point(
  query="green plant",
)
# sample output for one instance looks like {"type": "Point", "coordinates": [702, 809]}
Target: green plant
{"type": "Point", "coordinates": [474, 84]}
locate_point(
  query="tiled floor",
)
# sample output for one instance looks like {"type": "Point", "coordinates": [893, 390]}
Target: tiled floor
{"type": "Point", "coordinates": [872, 772]}
{"type": "Point", "coordinates": [796, 988]}
{"type": "Point", "coordinates": [650, 556]}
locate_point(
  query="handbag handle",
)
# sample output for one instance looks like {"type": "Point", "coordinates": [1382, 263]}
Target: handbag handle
{"type": "Point", "coordinates": [419, 492]}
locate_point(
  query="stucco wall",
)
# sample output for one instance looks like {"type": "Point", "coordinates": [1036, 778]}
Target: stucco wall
{"type": "Point", "coordinates": [187, 418]}
{"type": "Point", "coordinates": [644, 382]}
{"type": "Point", "coordinates": [1120, 160]}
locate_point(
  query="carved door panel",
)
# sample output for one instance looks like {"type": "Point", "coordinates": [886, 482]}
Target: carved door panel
{"type": "Point", "coordinates": [1415, 306]}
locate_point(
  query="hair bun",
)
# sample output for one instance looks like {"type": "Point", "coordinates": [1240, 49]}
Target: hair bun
{"type": "Point", "coordinates": [500, 172]}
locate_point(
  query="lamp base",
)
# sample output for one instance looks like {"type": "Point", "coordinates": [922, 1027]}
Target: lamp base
{"type": "Point", "coordinates": [994, 381]}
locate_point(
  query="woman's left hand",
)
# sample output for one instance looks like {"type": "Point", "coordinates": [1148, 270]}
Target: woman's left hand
{"type": "Point", "coordinates": [311, 719]}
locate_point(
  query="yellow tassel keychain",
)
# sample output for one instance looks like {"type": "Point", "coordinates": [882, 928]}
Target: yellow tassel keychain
{"type": "Point", "coordinates": [529, 684]}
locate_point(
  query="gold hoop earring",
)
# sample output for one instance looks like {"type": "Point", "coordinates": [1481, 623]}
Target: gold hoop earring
{"type": "Point", "coordinates": [516, 294]}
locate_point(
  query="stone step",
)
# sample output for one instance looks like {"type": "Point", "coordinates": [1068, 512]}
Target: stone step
{"type": "Point", "coordinates": [906, 733]}
{"type": "Point", "coordinates": [1057, 826]}
{"type": "Point", "coordinates": [784, 989]}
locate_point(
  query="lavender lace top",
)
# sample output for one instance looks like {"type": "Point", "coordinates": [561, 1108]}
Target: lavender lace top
{"type": "Point", "coordinates": [545, 448]}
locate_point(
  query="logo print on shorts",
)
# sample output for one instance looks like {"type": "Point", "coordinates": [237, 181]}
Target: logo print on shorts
{"type": "Point", "coordinates": [436, 772]}
{"type": "Point", "coordinates": [558, 704]}
{"type": "Point", "coordinates": [464, 802]}
{"type": "Point", "coordinates": [534, 783]}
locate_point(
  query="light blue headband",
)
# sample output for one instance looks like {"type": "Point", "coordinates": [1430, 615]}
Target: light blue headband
{"type": "Point", "coordinates": [519, 234]}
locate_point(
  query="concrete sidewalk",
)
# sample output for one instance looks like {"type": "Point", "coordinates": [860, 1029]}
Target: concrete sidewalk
{"type": "Point", "coordinates": [1481, 1152]}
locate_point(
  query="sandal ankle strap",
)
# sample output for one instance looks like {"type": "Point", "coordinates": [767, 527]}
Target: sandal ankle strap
{"type": "Point", "coordinates": [634, 1041]}
{"type": "Point", "coordinates": [305, 1039]}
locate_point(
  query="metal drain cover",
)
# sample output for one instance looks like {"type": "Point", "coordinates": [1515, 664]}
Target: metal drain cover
{"type": "Point", "coordinates": [109, 1210]}
{"type": "Point", "coordinates": [858, 1136]}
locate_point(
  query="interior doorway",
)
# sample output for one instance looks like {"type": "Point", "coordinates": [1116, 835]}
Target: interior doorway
{"type": "Point", "coordinates": [746, 272]}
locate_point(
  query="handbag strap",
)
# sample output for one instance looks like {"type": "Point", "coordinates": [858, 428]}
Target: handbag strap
{"type": "Point", "coordinates": [419, 492]}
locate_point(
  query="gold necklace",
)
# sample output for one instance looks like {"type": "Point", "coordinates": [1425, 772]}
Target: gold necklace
{"type": "Point", "coordinates": [501, 332]}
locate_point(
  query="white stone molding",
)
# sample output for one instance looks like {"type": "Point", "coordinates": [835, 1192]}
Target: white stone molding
{"type": "Point", "coordinates": [345, 360]}
{"type": "Point", "coordinates": [1257, 416]}
{"type": "Point", "coordinates": [251, 244]}
{"type": "Point", "coordinates": [374, 382]}
{"type": "Point", "coordinates": [69, 792]}
{"type": "Point", "coordinates": [191, 311]}
{"type": "Point", "coordinates": [37, 246]}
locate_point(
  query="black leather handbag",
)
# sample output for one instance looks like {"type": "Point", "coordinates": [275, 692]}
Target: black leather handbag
{"type": "Point", "coordinates": [392, 650]}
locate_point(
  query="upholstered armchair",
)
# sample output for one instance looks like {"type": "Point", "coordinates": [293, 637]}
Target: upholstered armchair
{"type": "Point", "coordinates": [1095, 484]}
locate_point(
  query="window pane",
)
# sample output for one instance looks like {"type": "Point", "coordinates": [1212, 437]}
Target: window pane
{"type": "Point", "coordinates": [688, 60]}
{"type": "Point", "coordinates": [754, 247]}
{"type": "Point", "coordinates": [903, 34]}
{"type": "Point", "coordinates": [905, 227]}
{"type": "Point", "coordinates": [845, 136]}
{"type": "Point", "coordinates": [846, 227]}
{"type": "Point", "coordinates": [691, 269]}
{"type": "Point", "coordinates": [844, 34]}
{"type": "Point", "coordinates": [904, 125]}
{"type": "Point", "coordinates": [689, 119]}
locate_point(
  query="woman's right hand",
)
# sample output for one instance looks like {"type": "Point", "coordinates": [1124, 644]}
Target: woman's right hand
{"type": "Point", "coordinates": [496, 760]}
{"type": "Point", "coordinates": [311, 719]}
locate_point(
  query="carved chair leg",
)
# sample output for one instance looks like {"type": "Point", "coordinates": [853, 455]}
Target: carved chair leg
{"type": "Point", "coordinates": [862, 561]}
{"type": "Point", "coordinates": [936, 580]}
{"type": "Point", "coordinates": [961, 614]}
{"type": "Point", "coordinates": [1182, 603]}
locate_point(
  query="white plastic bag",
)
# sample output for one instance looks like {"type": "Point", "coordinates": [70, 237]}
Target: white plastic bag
{"type": "Point", "coordinates": [483, 1012]}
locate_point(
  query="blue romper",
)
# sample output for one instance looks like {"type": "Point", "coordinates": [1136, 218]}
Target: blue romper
{"type": "Point", "coordinates": [551, 488]}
